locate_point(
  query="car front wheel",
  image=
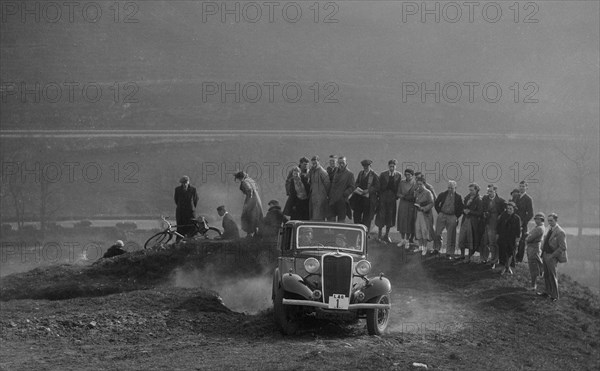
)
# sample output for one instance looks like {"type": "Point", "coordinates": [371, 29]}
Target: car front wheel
{"type": "Point", "coordinates": [377, 319]}
{"type": "Point", "coordinates": [284, 314]}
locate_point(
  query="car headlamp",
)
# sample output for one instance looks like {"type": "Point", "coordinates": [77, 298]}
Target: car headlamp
{"type": "Point", "coordinates": [363, 267]}
{"type": "Point", "coordinates": [312, 265]}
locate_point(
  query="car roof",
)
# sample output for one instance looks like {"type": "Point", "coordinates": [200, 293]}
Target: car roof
{"type": "Point", "coordinates": [297, 223]}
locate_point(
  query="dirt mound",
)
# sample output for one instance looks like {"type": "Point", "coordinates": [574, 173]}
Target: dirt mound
{"type": "Point", "coordinates": [138, 270]}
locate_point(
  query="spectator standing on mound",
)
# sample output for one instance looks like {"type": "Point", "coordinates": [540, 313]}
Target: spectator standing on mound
{"type": "Point", "coordinates": [230, 227]}
{"type": "Point", "coordinates": [319, 188]}
{"type": "Point", "coordinates": [252, 213]}
{"type": "Point", "coordinates": [508, 232]}
{"type": "Point", "coordinates": [406, 208]}
{"type": "Point", "coordinates": [341, 188]}
{"type": "Point", "coordinates": [296, 205]}
{"type": "Point", "coordinates": [273, 220]}
{"type": "Point", "coordinates": [554, 251]}
{"type": "Point", "coordinates": [388, 188]}
{"type": "Point", "coordinates": [534, 248]}
{"type": "Point", "coordinates": [186, 199]}
{"type": "Point", "coordinates": [525, 211]}
{"type": "Point", "coordinates": [115, 250]}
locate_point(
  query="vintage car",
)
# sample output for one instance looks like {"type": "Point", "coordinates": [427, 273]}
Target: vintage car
{"type": "Point", "coordinates": [323, 272]}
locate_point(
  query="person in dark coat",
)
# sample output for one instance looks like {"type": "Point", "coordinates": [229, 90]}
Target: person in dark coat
{"type": "Point", "coordinates": [365, 195]}
{"type": "Point", "coordinates": [388, 188]}
{"type": "Point", "coordinates": [115, 250]}
{"type": "Point", "coordinates": [297, 206]}
{"type": "Point", "coordinates": [186, 199]}
{"type": "Point", "coordinates": [273, 220]}
{"type": "Point", "coordinates": [525, 211]}
{"type": "Point", "coordinates": [289, 185]}
{"type": "Point", "coordinates": [470, 232]}
{"type": "Point", "coordinates": [449, 206]}
{"type": "Point", "coordinates": [406, 208]}
{"type": "Point", "coordinates": [508, 232]}
{"type": "Point", "coordinates": [341, 188]}
{"type": "Point", "coordinates": [332, 167]}
{"type": "Point", "coordinates": [230, 227]}
{"type": "Point", "coordinates": [493, 207]}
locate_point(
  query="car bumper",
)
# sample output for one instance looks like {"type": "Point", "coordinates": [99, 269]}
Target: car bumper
{"type": "Point", "coordinates": [309, 303]}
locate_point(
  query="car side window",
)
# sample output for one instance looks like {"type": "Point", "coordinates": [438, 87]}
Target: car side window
{"type": "Point", "coordinates": [286, 239]}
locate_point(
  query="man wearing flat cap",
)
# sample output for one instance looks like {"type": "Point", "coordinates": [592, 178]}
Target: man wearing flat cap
{"type": "Point", "coordinates": [365, 195]}
{"type": "Point", "coordinates": [186, 199]}
{"type": "Point", "coordinates": [388, 187]}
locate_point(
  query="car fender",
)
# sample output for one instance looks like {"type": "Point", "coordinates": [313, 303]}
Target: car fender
{"type": "Point", "coordinates": [275, 283]}
{"type": "Point", "coordinates": [295, 284]}
{"type": "Point", "coordinates": [377, 286]}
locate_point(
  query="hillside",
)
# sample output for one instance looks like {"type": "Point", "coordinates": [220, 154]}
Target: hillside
{"type": "Point", "coordinates": [445, 315]}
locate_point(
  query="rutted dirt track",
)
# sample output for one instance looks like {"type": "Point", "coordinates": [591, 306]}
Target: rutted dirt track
{"type": "Point", "coordinates": [128, 313]}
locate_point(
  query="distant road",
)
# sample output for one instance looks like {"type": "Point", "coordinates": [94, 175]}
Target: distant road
{"type": "Point", "coordinates": [178, 133]}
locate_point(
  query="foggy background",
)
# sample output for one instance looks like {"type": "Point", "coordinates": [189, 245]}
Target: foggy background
{"type": "Point", "coordinates": [71, 153]}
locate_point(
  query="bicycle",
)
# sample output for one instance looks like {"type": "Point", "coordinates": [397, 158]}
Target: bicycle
{"type": "Point", "coordinates": [201, 228]}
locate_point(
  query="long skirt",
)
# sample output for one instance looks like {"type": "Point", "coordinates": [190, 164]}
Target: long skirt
{"type": "Point", "coordinates": [406, 217]}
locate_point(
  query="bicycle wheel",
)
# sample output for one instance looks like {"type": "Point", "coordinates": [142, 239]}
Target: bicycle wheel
{"type": "Point", "coordinates": [212, 233]}
{"type": "Point", "coordinates": [157, 240]}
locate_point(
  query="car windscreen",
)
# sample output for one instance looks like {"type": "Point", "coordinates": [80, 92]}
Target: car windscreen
{"type": "Point", "coordinates": [329, 237]}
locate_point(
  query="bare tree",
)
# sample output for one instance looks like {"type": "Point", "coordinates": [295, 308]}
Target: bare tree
{"type": "Point", "coordinates": [583, 154]}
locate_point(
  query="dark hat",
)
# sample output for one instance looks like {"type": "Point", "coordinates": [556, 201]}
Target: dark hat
{"type": "Point", "coordinates": [540, 215]}
{"type": "Point", "coordinates": [273, 203]}
{"type": "Point", "coordinates": [332, 156]}
{"type": "Point", "coordinates": [366, 162]}
{"type": "Point", "coordinates": [222, 207]}
{"type": "Point", "coordinates": [303, 160]}
{"type": "Point", "coordinates": [239, 175]}
{"type": "Point", "coordinates": [410, 171]}
{"type": "Point", "coordinates": [184, 179]}
{"type": "Point", "coordinates": [515, 191]}
{"type": "Point", "coordinates": [393, 161]}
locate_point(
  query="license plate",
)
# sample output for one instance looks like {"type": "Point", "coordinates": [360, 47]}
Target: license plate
{"type": "Point", "coordinates": [338, 301]}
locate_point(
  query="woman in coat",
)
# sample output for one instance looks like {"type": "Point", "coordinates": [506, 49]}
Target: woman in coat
{"type": "Point", "coordinates": [252, 213]}
{"type": "Point", "coordinates": [508, 232]}
{"type": "Point", "coordinates": [470, 227]}
{"type": "Point", "coordinates": [297, 205]}
{"type": "Point", "coordinates": [424, 220]}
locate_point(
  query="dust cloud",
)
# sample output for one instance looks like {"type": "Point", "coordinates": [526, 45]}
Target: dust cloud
{"type": "Point", "coordinates": [249, 295]}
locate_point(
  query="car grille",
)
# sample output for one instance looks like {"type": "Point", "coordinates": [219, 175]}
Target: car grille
{"type": "Point", "coordinates": [337, 275]}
